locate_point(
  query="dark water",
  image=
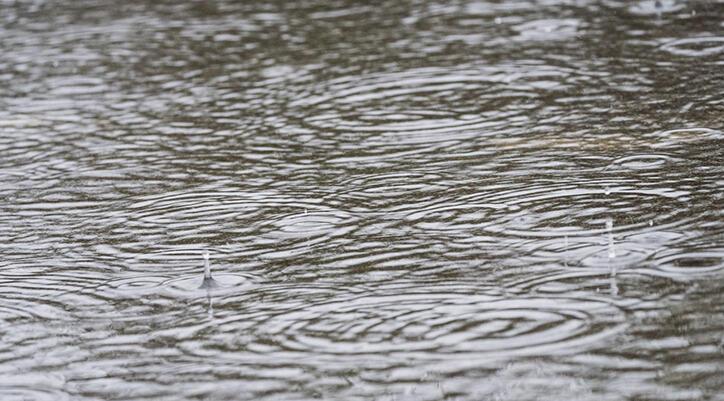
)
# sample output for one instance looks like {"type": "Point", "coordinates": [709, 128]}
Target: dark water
{"type": "Point", "coordinates": [410, 200]}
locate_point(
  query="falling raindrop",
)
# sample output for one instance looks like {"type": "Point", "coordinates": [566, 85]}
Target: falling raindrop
{"type": "Point", "coordinates": [611, 248]}
{"type": "Point", "coordinates": [210, 305]}
{"type": "Point", "coordinates": [614, 285]}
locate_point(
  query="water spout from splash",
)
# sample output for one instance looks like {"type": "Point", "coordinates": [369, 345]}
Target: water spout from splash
{"type": "Point", "coordinates": [209, 281]}
{"type": "Point", "coordinates": [611, 246]}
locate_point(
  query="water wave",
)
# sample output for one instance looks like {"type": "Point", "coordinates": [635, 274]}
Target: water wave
{"type": "Point", "coordinates": [409, 321]}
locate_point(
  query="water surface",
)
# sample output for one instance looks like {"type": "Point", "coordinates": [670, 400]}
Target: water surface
{"type": "Point", "coordinates": [412, 200]}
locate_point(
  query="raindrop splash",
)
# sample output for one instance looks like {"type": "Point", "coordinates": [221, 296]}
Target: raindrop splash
{"type": "Point", "coordinates": [209, 281]}
{"type": "Point", "coordinates": [611, 245]}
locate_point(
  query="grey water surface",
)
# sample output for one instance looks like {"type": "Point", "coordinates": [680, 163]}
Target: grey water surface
{"type": "Point", "coordinates": [405, 200]}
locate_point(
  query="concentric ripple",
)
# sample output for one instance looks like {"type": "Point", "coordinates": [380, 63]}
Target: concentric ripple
{"type": "Point", "coordinates": [452, 217]}
{"type": "Point", "coordinates": [561, 209]}
{"type": "Point", "coordinates": [696, 47]}
{"type": "Point", "coordinates": [655, 7]}
{"type": "Point", "coordinates": [184, 285]}
{"type": "Point", "coordinates": [682, 137]}
{"type": "Point", "coordinates": [691, 261]}
{"type": "Point", "coordinates": [548, 30]}
{"type": "Point", "coordinates": [317, 224]}
{"type": "Point", "coordinates": [426, 105]}
{"type": "Point", "coordinates": [412, 321]}
{"type": "Point", "coordinates": [640, 162]}
{"type": "Point", "coordinates": [272, 217]}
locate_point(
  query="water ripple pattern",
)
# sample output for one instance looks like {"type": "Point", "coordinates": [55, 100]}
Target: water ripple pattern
{"type": "Point", "coordinates": [411, 200]}
{"type": "Point", "coordinates": [405, 321]}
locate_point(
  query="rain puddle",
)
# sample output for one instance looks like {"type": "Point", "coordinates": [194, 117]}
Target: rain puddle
{"type": "Point", "coordinates": [416, 200]}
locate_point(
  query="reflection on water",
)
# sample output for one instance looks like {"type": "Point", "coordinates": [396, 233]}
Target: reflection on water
{"type": "Point", "coordinates": [415, 200]}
